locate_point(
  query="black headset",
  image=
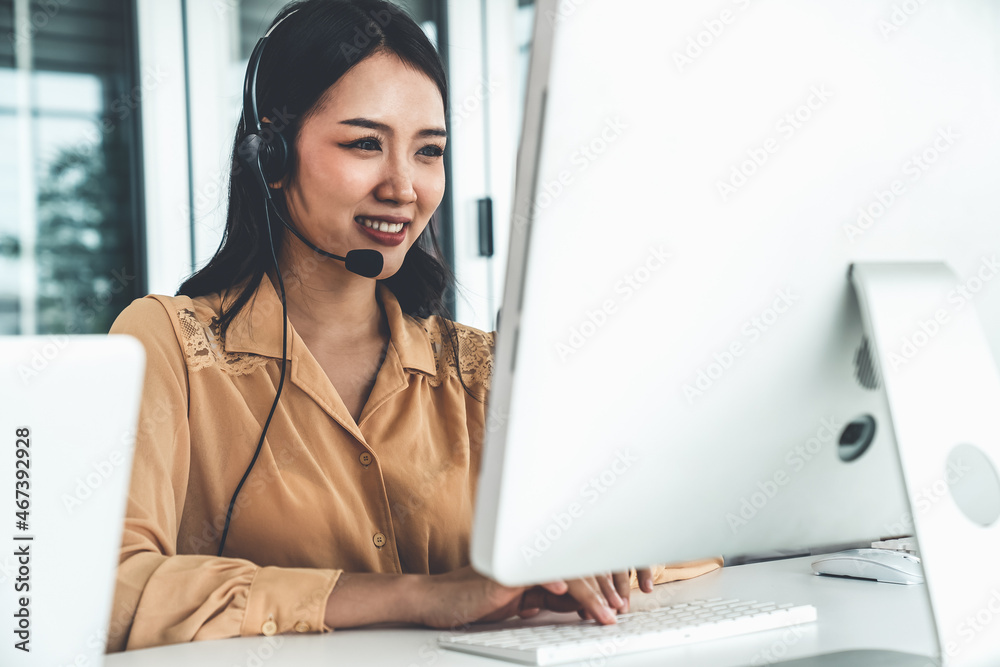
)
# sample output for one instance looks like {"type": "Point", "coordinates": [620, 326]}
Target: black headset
{"type": "Point", "coordinates": [264, 150]}
{"type": "Point", "coordinates": [265, 156]}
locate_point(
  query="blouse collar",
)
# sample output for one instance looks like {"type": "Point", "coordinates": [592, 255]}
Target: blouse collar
{"type": "Point", "coordinates": [257, 329]}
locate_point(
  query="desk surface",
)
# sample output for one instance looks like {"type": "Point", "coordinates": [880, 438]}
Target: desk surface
{"type": "Point", "coordinates": [852, 614]}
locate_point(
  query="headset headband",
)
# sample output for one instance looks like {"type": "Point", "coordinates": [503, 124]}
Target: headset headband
{"type": "Point", "coordinates": [250, 81]}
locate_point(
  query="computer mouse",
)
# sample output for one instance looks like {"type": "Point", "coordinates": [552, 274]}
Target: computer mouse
{"type": "Point", "coordinates": [886, 565]}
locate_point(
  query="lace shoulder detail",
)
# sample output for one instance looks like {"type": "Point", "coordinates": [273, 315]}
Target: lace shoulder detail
{"type": "Point", "coordinates": [204, 347]}
{"type": "Point", "coordinates": [475, 355]}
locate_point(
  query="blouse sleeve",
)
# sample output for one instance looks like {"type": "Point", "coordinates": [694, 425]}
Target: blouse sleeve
{"type": "Point", "coordinates": [162, 597]}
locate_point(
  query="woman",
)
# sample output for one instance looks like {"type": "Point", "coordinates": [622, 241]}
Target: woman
{"type": "Point", "coordinates": [358, 508]}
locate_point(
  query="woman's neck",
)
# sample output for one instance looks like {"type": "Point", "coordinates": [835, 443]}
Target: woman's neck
{"type": "Point", "coordinates": [326, 301]}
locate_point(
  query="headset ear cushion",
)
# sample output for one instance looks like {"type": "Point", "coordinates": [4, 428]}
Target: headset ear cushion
{"type": "Point", "coordinates": [248, 149]}
{"type": "Point", "coordinates": [274, 154]}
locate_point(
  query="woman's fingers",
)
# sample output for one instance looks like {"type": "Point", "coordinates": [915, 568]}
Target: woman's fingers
{"type": "Point", "coordinates": [645, 577]}
{"type": "Point", "coordinates": [598, 597]}
{"type": "Point", "coordinates": [535, 598]}
{"type": "Point", "coordinates": [556, 587]}
{"type": "Point", "coordinates": [623, 585]}
{"type": "Point", "coordinates": [588, 593]}
{"type": "Point", "coordinates": [610, 591]}
{"type": "Point", "coordinates": [542, 598]}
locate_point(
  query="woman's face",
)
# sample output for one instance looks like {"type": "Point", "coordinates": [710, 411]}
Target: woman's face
{"type": "Point", "coordinates": [370, 167]}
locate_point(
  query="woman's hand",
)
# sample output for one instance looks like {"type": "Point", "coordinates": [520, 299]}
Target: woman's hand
{"type": "Point", "coordinates": [464, 596]}
{"type": "Point", "coordinates": [599, 597]}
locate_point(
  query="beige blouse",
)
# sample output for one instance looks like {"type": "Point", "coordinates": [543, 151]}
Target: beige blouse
{"type": "Point", "coordinates": [390, 493]}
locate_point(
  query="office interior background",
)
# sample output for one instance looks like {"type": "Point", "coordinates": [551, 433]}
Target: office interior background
{"type": "Point", "coordinates": [117, 117]}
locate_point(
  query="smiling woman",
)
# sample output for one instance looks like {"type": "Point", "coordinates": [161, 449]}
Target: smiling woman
{"type": "Point", "coordinates": [356, 504]}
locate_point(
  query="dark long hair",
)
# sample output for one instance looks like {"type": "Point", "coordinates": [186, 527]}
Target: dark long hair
{"type": "Point", "coordinates": [303, 58]}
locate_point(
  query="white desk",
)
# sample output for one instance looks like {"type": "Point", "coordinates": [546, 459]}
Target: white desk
{"type": "Point", "coordinates": [852, 614]}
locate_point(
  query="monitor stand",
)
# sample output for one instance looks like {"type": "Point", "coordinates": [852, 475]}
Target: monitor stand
{"type": "Point", "coordinates": [944, 398]}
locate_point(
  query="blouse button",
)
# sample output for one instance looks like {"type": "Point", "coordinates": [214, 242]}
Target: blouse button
{"type": "Point", "coordinates": [302, 626]}
{"type": "Point", "coordinates": [269, 628]}
{"type": "Point", "coordinates": [379, 540]}
{"type": "Point", "coordinates": [365, 459]}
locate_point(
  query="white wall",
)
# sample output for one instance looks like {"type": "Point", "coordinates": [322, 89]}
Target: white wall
{"type": "Point", "coordinates": [164, 145]}
{"type": "Point", "coordinates": [485, 82]}
{"type": "Point", "coordinates": [216, 89]}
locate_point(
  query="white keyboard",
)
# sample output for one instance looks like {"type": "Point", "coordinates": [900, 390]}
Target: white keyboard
{"type": "Point", "coordinates": [682, 623]}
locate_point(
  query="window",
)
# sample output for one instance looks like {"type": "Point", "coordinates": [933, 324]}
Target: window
{"type": "Point", "coordinates": [70, 240]}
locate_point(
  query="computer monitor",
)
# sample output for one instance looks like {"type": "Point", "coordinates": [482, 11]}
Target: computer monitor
{"type": "Point", "coordinates": [682, 350]}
